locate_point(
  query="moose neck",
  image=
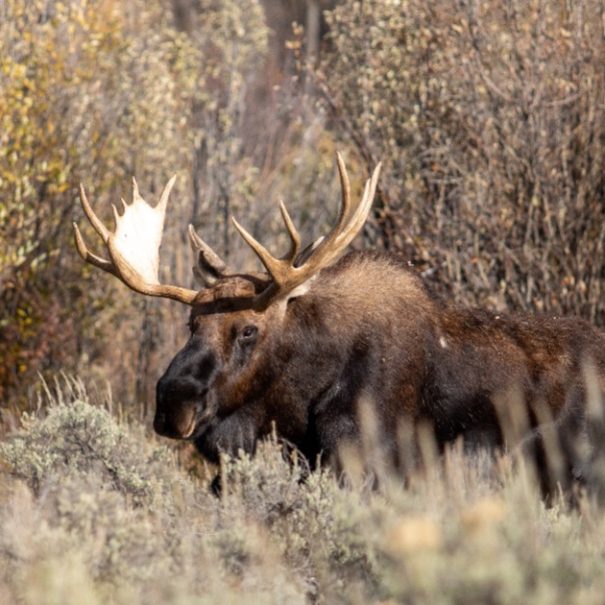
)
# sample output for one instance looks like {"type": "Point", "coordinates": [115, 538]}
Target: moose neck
{"type": "Point", "coordinates": [331, 347]}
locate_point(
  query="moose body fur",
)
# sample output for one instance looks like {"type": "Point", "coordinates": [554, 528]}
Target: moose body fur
{"type": "Point", "coordinates": [369, 332]}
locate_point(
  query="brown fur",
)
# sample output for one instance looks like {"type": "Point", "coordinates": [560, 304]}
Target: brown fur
{"type": "Point", "coordinates": [368, 330]}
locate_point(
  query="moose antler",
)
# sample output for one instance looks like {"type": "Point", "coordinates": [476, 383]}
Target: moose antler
{"type": "Point", "coordinates": [290, 272]}
{"type": "Point", "coordinates": [133, 247]}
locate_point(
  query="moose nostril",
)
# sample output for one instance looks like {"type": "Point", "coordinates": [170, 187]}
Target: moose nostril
{"type": "Point", "coordinates": [184, 387]}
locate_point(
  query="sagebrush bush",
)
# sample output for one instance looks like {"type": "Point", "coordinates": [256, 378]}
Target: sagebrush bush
{"type": "Point", "coordinates": [97, 511]}
{"type": "Point", "coordinates": [79, 439]}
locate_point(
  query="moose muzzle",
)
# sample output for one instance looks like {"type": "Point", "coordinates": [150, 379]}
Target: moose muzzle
{"type": "Point", "coordinates": [181, 393]}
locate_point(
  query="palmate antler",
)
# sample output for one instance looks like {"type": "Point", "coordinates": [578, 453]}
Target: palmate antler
{"type": "Point", "coordinates": [286, 273]}
{"type": "Point", "coordinates": [133, 247]}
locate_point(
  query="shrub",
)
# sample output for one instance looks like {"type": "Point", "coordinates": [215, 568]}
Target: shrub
{"type": "Point", "coordinates": [98, 92]}
{"type": "Point", "coordinates": [489, 118]}
{"type": "Point", "coordinates": [93, 509]}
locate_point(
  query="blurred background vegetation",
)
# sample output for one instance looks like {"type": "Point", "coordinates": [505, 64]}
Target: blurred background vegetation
{"type": "Point", "coordinates": [489, 118]}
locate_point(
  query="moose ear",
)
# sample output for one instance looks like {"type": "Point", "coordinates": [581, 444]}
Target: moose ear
{"type": "Point", "coordinates": [209, 266]}
{"type": "Point", "coordinates": [295, 295]}
{"type": "Point", "coordinates": [203, 273]}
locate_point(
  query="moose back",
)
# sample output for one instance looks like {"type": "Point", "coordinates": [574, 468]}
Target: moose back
{"type": "Point", "coordinates": [303, 344]}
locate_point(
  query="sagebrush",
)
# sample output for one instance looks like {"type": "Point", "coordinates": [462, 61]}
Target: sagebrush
{"type": "Point", "coordinates": [98, 511]}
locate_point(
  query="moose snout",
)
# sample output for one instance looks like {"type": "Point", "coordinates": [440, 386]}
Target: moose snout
{"type": "Point", "coordinates": [177, 404]}
{"type": "Point", "coordinates": [180, 394]}
{"type": "Point", "coordinates": [179, 425]}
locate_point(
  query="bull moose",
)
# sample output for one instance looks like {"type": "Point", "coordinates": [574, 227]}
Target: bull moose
{"type": "Point", "coordinates": [302, 344]}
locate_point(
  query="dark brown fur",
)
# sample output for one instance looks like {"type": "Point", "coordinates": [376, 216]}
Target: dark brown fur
{"type": "Point", "coordinates": [368, 331]}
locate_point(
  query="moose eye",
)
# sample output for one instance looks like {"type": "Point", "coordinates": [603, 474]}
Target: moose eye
{"type": "Point", "coordinates": [248, 333]}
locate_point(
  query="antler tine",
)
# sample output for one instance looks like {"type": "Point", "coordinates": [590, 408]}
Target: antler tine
{"type": "Point", "coordinates": [116, 214]}
{"type": "Point", "coordinates": [361, 212]}
{"type": "Point", "coordinates": [273, 265]}
{"type": "Point", "coordinates": [89, 256]}
{"type": "Point", "coordinates": [140, 225]}
{"type": "Point", "coordinates": [161, 205]}
{"type": "Point", "coordinates": [345, 188]}
{"type": "Point", "coordinates": [292, 231]}
{"type": "Point", "coordinates": [135, 190]}
{"type": "Point", "coordinates": [99, 227]}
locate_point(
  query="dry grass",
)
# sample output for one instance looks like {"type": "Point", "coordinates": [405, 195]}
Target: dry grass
{"type": "Point", "coordinates": [93, 510]}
